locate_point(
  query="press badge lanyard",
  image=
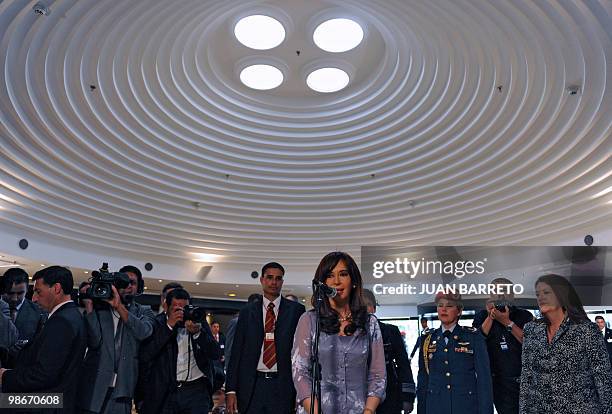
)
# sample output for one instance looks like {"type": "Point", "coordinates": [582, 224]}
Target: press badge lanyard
{"type": "Point", "coordinates": [503, 344]}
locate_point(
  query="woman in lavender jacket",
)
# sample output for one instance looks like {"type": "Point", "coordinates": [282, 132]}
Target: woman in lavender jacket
{"type": "Point", "coordinates": [350, 346]}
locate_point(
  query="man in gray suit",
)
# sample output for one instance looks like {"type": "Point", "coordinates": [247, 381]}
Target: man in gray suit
{"type": "Point", "coordinates": [115, 329]}
{"type": "Point", "coordinates": [8, 332]}
{"type": "Point", "coordinates": [27, 316]}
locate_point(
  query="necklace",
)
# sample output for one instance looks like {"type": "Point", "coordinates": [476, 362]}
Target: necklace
{"type": "Point", "coordinates": [346, 318]}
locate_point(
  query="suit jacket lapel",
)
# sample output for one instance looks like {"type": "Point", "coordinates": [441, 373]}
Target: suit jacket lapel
{"type": "Point", "coordinates": [107, 323]}
{"type": "Point", "coordinates": [281, 320]}
{"type": "Point", "coordinates": [257, 319]}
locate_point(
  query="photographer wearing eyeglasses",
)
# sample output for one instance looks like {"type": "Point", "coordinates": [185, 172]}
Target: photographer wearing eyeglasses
{"type": "Point", "coordinates": [502, 325]}
{"type": "Point", "coordinates": [116, 325]}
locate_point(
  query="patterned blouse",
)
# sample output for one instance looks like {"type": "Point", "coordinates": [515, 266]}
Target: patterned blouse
{"type": "Point", "coordinates": [572, 375]}
{"type": "Point", "coordinates": [347, 379]}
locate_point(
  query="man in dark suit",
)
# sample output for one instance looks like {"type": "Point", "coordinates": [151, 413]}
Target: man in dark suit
{"type": "Point", "coordinates": [27, 316]}
{"type": "Point", "coordinates": [259, 377]}
{"type": "Point", "coordinates": [8, 333]}
{"type": "Point", "coordinates": [51, 362]}
{"type": "Point", "coordinates": [215, 328]}
{"type": "Point", "coordinates": [400, 391]}
{"type": "Point", "coordinates": [178, 357]}
{"type": "Point", "coordinates": [606, 333]}
{"type": "Point", "coordinates": [231, 330]}
{"type": "Point", "coordinates": [115, 329]}
{"type": "Point", "coordinates": [424, 332]}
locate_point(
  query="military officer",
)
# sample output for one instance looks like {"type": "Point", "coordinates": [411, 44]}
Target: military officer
{"type": "Point", "coordinates": [454, 374]}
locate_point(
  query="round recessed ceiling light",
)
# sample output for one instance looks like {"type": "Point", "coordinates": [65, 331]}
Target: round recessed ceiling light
{"type": "Point", "coordinates": [262, 77]}
{"type": "Point", "coordinates": [259, 32]}
{"type": "Point", "coordinates": [338, 35]}
{"type": "Point", "coordinates": [327, 80]}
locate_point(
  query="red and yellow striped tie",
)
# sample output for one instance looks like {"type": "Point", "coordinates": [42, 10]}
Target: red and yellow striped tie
{"type": "Point", "coordinates": [269, 355]}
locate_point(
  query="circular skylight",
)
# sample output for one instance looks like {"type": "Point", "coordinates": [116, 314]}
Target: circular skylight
{"type": "Point", "coordinates": [262, 77]}
{"type": "Point", "coordinates": [327, 80]}
{"type": "Point", "coordinates": [259, 32]}
{"type": "Point", "coordinates": [338, 35]}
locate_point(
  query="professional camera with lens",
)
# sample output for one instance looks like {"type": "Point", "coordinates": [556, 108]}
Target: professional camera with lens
{"type": "Point", "coordinates": [194, 313]}
{"type": "Point", "coordinates": [102, 282]}
{"type": "Point", "coordinates": [500, 305]}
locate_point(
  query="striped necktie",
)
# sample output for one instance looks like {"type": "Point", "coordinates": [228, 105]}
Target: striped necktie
{"type": "Point", "coordinates": [269, 355]}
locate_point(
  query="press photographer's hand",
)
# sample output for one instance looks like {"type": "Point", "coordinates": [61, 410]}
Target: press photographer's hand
{"type": "Point", "coordinates": [87, 303]}
{"type": "Point", "coordinates": [115, 300]}
{"type": "Point", "coordinates": [175, 316]}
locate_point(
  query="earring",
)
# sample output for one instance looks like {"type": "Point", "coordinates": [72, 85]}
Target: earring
{"type": "Point", "coordinates": [354, 286]}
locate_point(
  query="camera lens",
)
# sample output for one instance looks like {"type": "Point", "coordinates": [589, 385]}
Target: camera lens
{"type": "Point", "coordinates": [101, 291]}
{"type": "Point", "coordinates": [198, 314]}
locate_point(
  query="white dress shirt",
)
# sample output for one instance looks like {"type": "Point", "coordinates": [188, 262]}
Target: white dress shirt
{"type": "Point", "coordinates": [185, 360]}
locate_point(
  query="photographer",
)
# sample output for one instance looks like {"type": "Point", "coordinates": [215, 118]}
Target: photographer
{"type": "Point", "coordinates": [115, 329]}
{"type": "Point", "coordinates": [178, 356]}
{"type": "Point", "coordinates": [502, 325]}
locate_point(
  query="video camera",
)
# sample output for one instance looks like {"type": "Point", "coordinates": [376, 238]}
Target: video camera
{"type": "Point", "coordinates": [102, 283]}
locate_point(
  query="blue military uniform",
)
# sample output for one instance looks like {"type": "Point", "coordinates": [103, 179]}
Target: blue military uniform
{"type": "Point", "coordinates": [454, 374]}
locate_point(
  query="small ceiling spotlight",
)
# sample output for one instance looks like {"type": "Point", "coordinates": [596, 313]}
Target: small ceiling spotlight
{"type": "Point", "coordinates": [41, 10]}
{"type": "Point", "coordinates": [573, 89]}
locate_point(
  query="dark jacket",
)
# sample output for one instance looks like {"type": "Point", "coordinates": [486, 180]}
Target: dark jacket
{"type": "Point", "coordinates": [229, 340]}
{"type": "Point", "coordinates": [159, 353]}
{"type": "Point", "coordinates": [29, 321]}
{"type": "Point", "coordinates": [570, 375]}
{"type": "Point", "coordinates": [246, 349]}
{"type": "Point", "coordinates": [51, 362]}
{"type": "Point", "coordinates": [99, 365]}
{"type": "Point", "coordinates": [400, 382]}
{"type": "Point", "coordinates": [454, 377]}
{"type": "Point", "coordinates": [608, 341]}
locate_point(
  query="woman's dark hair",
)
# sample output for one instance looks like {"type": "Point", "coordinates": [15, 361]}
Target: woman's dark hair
{"type": "Point", "coordinates": [330, 324]}
{"type": "Point", "coordinates": [567, 296]}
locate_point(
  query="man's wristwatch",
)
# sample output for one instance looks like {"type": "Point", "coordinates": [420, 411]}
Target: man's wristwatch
{"type": "Point", "coordinates": [509, 326]}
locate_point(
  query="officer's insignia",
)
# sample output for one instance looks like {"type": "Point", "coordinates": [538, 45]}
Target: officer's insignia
{"type": "Point", "coordinates": [463, 343]}
{"type": "Point", "coordinates": [455, 337]}
{"type": "Point", "coordinates": [470, 328]}
{"type": "Point", "coordinates": [426, 352]}
{"type": "Point", "coordinates": [464, 350]}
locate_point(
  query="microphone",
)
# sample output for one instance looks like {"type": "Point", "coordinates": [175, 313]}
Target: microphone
{"type": "Point", "coordinates": [328, 291]}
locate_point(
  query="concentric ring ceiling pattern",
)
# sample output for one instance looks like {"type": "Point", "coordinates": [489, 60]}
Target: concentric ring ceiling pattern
{"type": "Point", "coordinates": [457, 126]}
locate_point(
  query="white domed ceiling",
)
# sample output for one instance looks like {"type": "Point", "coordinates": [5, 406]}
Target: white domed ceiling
{"type": "Point", "coordinates": [126, 129]}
